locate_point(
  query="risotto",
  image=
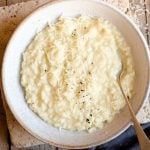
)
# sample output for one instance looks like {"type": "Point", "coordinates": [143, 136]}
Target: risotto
{"type": "Point", "coordinates": [69, 73]}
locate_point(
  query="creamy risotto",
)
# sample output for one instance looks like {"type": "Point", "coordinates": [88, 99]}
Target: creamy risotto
{"type": "Point", "coordinates": [69, 73]}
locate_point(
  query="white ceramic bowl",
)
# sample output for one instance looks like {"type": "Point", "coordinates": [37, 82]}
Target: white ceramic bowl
{"type": "Point", "coordinates": [23, 36]}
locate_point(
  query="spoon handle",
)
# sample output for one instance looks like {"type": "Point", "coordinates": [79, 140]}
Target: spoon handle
{"type": "Point", "coordinates": [144, 142]}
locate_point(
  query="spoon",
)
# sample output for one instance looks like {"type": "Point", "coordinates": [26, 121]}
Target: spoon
{"type": "Point", "coordinates": [144, 142]}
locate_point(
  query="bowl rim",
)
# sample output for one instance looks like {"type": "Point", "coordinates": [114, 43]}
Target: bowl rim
{"type": "Point", "coordinates": [4, 90]}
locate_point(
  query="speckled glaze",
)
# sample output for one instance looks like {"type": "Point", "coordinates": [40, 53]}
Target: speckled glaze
{"type": "Point", "coordinates": [11, 65]}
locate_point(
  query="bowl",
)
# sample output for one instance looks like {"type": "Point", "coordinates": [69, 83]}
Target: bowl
{"type": "Point", "coordinates": [23, 35]}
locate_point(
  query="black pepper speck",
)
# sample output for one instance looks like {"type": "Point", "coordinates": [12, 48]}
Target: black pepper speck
{"type": "Point", "coordinates": [87, 120]}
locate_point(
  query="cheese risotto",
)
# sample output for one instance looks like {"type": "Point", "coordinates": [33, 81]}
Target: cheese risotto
{"type": "Point", "coordinates": [69, 73]}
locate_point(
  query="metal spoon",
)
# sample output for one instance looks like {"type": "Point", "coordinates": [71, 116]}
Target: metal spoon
{"type": "Point", "coordinates": [144, 142]}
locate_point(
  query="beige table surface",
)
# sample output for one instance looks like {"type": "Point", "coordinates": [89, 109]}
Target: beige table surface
{"type": "Point", "coordinates": [138, 10]}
